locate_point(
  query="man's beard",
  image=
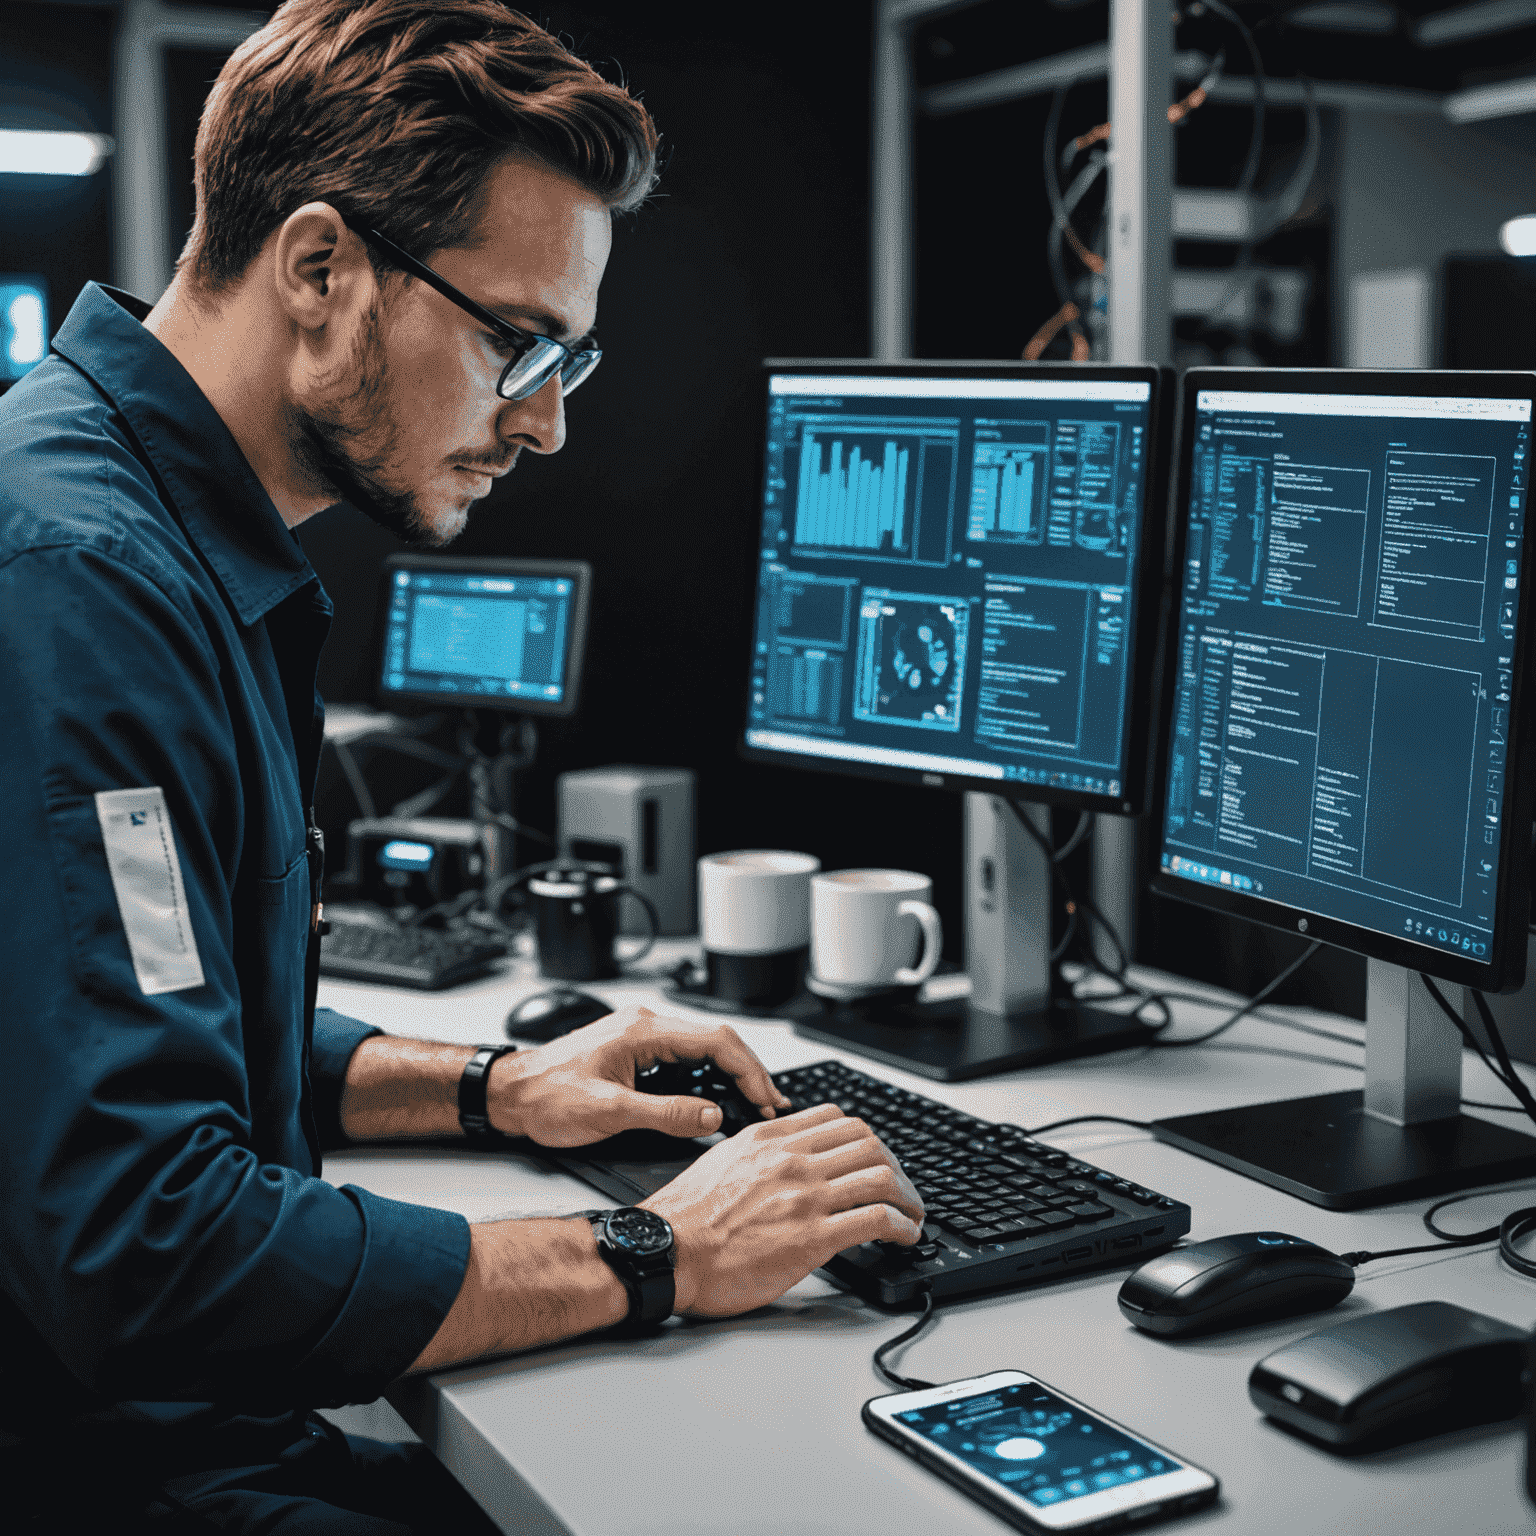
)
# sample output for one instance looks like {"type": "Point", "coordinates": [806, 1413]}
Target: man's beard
{"type": "Point", "coordinates": [329, 444]}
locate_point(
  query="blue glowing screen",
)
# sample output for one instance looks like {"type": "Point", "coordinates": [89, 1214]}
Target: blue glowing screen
{"type": "Point", "coordinates": [462, 632]}
{"type": "Point", "coordinates": [1034, 1444]}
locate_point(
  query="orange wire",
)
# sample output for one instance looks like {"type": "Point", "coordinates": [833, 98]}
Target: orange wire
{"type": "Point", "coordinates": [1042, 338]}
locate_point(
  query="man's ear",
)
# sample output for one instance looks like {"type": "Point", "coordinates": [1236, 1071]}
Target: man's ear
{"type": "Point", "coordinates": [322, 272]}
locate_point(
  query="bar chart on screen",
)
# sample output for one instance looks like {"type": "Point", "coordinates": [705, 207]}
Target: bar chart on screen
{"type": "Point", "coordinates": [862, 487]}
{"type": "Point", "coordinates": [1008, 482]}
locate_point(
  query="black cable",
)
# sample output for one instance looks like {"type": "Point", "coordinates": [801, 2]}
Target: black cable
{"type": "Point", "coordinates": [1056, 1125]}
{"type": "Point", "coordinates": [1362, 1257]}
{"type": "Point", "coordinates": [1079, 832]}
{"type": "Point", "coordinates": [1459, 1239]}
{"type": "Point", "coordinates": [1521, 1092]}
{"type": "Point", "coordinates": [1073, 901]}
{"type": "Point", "coordinates": [1514, 1081]}
{"type": "Point", "coordinates": [1250, 169]}
{"type": "Point", "coordinates": [1248, 1007]}
{"type": "Point", "coordinates": [910, 1383]}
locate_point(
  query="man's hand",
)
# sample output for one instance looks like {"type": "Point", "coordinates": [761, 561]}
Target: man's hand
{"type": "Point", "coordinates": [581, 1088]}
{"type": "Point", "coordinates": [759, 1212]}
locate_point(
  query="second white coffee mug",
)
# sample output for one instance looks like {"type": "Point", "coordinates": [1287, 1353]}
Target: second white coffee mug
{"type": "Point", "coordinates": [865, 927]}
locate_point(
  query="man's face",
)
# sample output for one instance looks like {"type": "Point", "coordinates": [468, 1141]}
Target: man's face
{"type": "Point", "coordinates": [412, 431]}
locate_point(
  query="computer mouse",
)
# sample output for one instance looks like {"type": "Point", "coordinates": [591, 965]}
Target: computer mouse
{"type": "Point", "coordinates": [548, 1015]}
{"type": "Point", "coordinates": [703, 1080]}
{"type": "Point", "coordinates": [1393, 1376]}
{"type": "Point", "coordinates": [1233, 1282]}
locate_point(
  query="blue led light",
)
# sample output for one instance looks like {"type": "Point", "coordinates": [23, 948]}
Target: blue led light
{"type": "Point", "coordinates": [399, 854]}
{"type": "Point", "coordinates": [23, 325]}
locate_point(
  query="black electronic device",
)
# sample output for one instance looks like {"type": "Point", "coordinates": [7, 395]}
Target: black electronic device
{"type": "Point", "coordinates": [1041, 1460]}
{"type": "Point", "coordinates": [1233, 1282]}
{"type": "Point", "coordinates": [1345, 742]}
{"type": "Point", "coordinates": [419, 861]}
{"type": "Point", "coordinates": [1003, 1210]}
{"type": "Point", "coordinates": [1394, 1376]}
{"type": "Point", "coordinates": [482, 632]}
{"type": "Point", "coordinates": [428, 959]}
{"type": "Point", "coordinates": [959, 586]}
{"type": "Point", "coordinates": [702, 1080]}
{"type": "Point", "coordinates": [547, 1015]}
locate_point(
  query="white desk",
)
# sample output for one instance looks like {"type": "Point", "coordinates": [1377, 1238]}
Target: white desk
{"type": "Point", "coordinates": [751, 1426]}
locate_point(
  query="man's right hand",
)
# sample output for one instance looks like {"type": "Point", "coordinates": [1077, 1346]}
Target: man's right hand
{"type": "Point", "coordinates": [757, 1213]}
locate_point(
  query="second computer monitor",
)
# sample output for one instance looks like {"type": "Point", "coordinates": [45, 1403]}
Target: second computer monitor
{"type": "Point", "coordinates": [1348, 663]}
{"type": "Point", "coordinates": [958, 573]}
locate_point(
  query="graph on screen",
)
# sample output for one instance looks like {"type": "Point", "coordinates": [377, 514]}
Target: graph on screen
{"type": "Point", "coordinates": [876, 488]}
{"type": "Point", "coordinates": [1010, 466]}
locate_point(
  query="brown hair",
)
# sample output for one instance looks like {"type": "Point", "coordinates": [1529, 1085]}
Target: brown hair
{"type": "Point", "coordinates": [393, 111]}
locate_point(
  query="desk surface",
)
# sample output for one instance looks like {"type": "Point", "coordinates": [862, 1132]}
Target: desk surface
{"type": "Point", "coordinates": [751, 1425]}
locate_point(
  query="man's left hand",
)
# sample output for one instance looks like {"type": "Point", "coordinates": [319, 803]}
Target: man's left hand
{"type": "Point", "coordinates": [581, 1088]}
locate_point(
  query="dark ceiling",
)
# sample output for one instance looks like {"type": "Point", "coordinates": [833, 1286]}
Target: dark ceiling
{"type": "Point", "coordinates": [999, 33]}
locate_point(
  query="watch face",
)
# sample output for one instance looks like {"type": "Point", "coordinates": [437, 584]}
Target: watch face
{"type": "Point", "coordinates": [639, 1232]}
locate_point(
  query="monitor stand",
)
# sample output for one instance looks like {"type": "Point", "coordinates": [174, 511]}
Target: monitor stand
{"type": "Point", "coordinates": [1403, 1138]}
{"type": "Point", "coordinates": [1019, 1013]}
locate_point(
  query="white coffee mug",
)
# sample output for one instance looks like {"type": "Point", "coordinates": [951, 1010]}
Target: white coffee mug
{"type": "Point", "coordinates": [862, 932]}
{"type": "Point", "coordinates": [755, 920]}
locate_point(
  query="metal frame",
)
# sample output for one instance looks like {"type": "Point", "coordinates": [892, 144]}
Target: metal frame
{"type": "Point", "coordinates": [1138, 56]}
{"type": "Point", "coordinates": [143, 261]}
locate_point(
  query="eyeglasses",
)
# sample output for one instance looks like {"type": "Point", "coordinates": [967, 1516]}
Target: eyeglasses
{"type": "Point", "coordinates": [535, 359]}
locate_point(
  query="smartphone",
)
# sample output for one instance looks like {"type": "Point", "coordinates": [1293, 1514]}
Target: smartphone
{"type": "Point", "coordinates": [1035, 1456]}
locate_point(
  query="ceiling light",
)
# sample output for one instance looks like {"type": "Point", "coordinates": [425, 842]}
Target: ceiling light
{"type": "Point", "coordinates": [1469, 21]}
{"type": "Point", "coordinates": [43, 152]}
{"type": "Point", "coordinates": [1346, 16]}
{"type": "Point", "coordinates": [1518, 236]}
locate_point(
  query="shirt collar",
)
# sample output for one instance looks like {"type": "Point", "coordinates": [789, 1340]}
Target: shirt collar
{"type": "Point", "coordinates": [224, 508]}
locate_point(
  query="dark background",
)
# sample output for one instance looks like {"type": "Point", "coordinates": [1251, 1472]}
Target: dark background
{"type": "Point", "coordinates": [756, 245]}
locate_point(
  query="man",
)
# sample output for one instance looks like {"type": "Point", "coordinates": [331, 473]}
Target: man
{"type": "Point", "coordinates": [180, 1286]}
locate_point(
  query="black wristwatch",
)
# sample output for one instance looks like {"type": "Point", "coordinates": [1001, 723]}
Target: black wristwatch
{"type": "Point", "coordinates": [640, 1249]}
{"type": "Point", "coordinates": [473, 1115]}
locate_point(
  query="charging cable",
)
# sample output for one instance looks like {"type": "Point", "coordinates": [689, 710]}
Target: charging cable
{"type": "Point", "coordinates": [908, 1383]}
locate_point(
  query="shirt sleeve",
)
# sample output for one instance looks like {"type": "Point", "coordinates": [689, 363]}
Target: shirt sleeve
{"type": "Point", "coordinates": [336, 1037]}
{"type": "Point", "coordinates": [151, 1241]}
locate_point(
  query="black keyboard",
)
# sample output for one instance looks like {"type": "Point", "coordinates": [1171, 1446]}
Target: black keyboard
{"type": "Point", "coordinates": [427, 958]}
{"type": "Point", "coordinates": [1002, 1208]}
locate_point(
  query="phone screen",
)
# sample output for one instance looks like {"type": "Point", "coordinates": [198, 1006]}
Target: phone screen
{"type": "Point", "coordinates": [1036, 1445]}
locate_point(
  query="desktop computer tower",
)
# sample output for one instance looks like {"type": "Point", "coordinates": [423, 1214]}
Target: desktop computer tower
{"type": "Point", "coordinates": [640, 820]}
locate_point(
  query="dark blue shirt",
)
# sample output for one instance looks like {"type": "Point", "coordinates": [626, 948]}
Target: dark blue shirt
{"type": "Point", "coordinates": [167, 1239]}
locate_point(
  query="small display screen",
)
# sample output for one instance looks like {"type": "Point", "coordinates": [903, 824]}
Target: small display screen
{"type": "Point", "coordinates": [457, 633]}
{"type": "Point", "coordinates": [1031, 1442]}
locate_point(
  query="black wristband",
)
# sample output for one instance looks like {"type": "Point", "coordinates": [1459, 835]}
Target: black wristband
{"type": "Point", "coordinates": [473, 1115]}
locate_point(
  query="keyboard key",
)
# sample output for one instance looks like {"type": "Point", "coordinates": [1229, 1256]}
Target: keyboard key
{"type": "Point", "coordinates": [1090, 1211]}
{"type": "Point", "coordinates": [1023, 1227]}
{"type": "Point", "coordinates": [1055, 1219]}
{"type": "Point", "coordinates": [985, 1234]}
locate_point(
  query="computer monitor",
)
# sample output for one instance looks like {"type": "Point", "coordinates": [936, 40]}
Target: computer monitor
{"type": "Point", "coordinates": [958, 585]}
{"type": "Point", "coordinates": [1344, 735]}
{"type": "Point", "coordinates": [958, 576]}
{"type": "Point", "coordinates": [483, 632]}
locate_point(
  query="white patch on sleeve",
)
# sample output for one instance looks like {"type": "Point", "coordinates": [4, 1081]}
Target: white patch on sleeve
{"type": "Point", "coordinates": [146, 875]}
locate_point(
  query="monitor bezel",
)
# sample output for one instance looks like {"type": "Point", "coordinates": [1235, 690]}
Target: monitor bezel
{"type": "Point", "coordinates": [578, 572]}
{"type": "Point", "coordinates": [1505, 967]}
{"type": "Point", "coordinates": [1134, 799]}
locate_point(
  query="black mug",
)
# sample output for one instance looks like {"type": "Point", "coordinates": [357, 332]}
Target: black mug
{"type": "Point", "coordinates": [576, 919]}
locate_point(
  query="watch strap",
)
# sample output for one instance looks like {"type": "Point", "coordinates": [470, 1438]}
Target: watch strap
{"type": "Point", "coordinates": [474, 1116]}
